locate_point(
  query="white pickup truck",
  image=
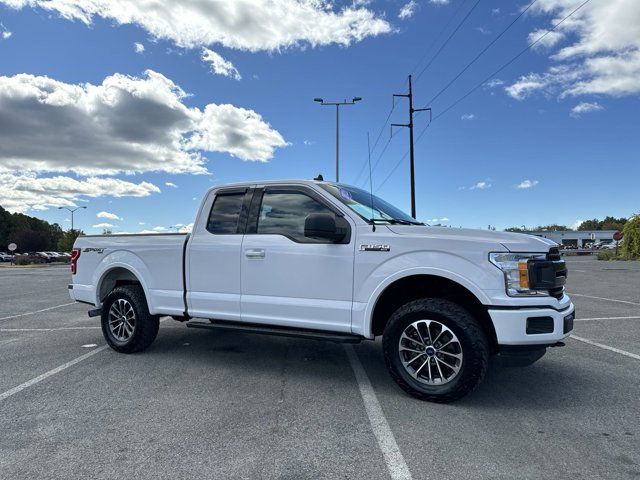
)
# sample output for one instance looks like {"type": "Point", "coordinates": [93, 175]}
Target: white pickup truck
{"type": "Point", "coordinates": [328, 261]}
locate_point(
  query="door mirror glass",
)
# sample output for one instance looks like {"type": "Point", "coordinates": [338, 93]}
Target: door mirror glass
{"type": "Point", "coordinates": [323, 226]}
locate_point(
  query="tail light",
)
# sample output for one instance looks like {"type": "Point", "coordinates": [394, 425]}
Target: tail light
{"type": "Point", "coordinates": [75, 255]}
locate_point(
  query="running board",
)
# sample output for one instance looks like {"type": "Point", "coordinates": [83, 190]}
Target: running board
{"type": "Point", "coordinates": [279, 331]}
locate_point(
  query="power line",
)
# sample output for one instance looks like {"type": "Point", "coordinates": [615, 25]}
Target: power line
{"type": "Point", "coordinates": [364, 164]}
{"type": "Point", "coordinates": [464, 19]}
{"type": "Point", "coordinates": [435, 40]}
{"type": "Point", "coordinates": [505, 65]}
{"type": "Point", "coordinates": [489, 45]}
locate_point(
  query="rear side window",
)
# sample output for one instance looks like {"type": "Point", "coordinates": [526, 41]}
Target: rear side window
{"type": "Point", "coordinates": [284, 213]}
{"type": "Point", "coordinates": [225, 213]}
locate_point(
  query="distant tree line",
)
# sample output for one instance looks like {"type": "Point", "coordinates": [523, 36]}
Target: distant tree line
{"type": "Point", "coordinates": [609, 223]}
{"type": "Point", "coordinates": [31, 234]}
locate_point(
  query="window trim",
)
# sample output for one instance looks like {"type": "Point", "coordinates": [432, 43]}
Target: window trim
{"type": "Point", "coordinates": [256, 206]}
{"type": "Point", "coordinates": [244, 214]}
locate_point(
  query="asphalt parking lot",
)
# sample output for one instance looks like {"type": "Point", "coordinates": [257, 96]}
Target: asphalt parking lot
{"type": "Point", "coordinates": [201, 404]}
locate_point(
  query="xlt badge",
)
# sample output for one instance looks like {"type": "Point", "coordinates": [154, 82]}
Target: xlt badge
{"type": "Point", "coordinates": [374, 247]}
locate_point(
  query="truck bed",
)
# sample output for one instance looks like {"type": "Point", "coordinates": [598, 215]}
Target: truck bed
{"type": "Point", "coordinates": [155, 259]}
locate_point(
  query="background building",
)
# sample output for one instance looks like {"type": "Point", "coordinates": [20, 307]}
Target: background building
{"type": "Point", "coordinates": [575, 238]}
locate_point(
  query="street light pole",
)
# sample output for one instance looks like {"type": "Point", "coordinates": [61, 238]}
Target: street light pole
{"type": "Point", "coordinates": [338, 105]}
{"type": "Point", "coordinates": [72, 210]}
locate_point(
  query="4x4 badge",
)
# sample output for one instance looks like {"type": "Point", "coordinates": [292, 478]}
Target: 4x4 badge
{"type": "Point", "coordinates": [372, 247]}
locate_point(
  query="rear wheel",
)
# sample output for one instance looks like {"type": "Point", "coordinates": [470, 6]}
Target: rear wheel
{"type": "Point", "coordinates": [127, 325]}
{"type": "Point", "coordinates": [435, 350]}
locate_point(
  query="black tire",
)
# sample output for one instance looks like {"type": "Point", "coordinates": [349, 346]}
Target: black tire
{"type": "Point", "coordinates": [471, 338]}
{"type": "Point", "coordinates": [145, 326]}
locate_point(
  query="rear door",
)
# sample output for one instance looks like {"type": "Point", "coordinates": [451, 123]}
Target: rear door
{"type": "Point", "coordinates": [288, 279]}
{"type": "Point", "coordinates": [214, 256]}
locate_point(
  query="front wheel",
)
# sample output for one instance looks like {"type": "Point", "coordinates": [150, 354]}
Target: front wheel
{"type": "Point", "coordinates": [127, 325]}
{"type": "Point", "coordinates": [435, 350]}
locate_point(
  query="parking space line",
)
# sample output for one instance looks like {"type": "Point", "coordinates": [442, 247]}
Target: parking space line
{"type": "Point", "coordinates": [607, 347]}
{"type": "Point", "coordinates": [605, 318]}
{"type": "Point", "coordinates": [37, 311]}
{"type": "Point", "coordinates": [45, 329]}
{"type": "Point", "coordinates": [393, 458]}
{"type": "Point", "coordinates": [603, 298]}
{"type": "Point", "coordinates": [50, 373]}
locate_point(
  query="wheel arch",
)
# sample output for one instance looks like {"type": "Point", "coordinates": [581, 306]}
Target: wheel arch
{"type": "Point", "coordinates": [404, 289]}
{"type": "Point", "coordinates": [115, 276]}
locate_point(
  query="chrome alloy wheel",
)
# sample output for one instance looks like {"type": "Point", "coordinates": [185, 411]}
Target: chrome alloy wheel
{"type": "Point", "coordinates": [430, 352]}
{"type": "Point", "coordinates": [122, 320]}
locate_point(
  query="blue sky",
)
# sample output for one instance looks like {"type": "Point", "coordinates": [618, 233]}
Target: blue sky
{"type": "Point", "coordinates": [579, 164]}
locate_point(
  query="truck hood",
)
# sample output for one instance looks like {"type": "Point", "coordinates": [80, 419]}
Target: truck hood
{"type": "Point", "coordinates": [514, 242]}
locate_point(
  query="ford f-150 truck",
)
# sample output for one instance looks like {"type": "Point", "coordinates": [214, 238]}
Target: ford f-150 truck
{"type": "Point", "coordinates": [329, 261]}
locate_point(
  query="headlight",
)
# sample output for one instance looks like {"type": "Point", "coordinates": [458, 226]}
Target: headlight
{"type": "Point", "coordinates": [515, 267]}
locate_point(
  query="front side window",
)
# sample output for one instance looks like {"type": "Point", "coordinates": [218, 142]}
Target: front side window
{"type": "Point", "coordinates": [284, 213]}
{"type": "Point", "coordinates": [225, 213]}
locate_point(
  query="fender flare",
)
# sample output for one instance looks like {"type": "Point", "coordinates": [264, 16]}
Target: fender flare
{"type": "Point", "coordinates": [409, 272]}
{"type": "Point", "coordinates": [127, 261]}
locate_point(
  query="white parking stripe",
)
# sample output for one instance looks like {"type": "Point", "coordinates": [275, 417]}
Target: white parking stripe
{"type": "Point", "coordinates": [603, 298]}
{"type": "Point", "coordinates": [604, 318]}
{"type": "Point", "coordinates": [45, 329]}
{"type": "Point", "coordinates": [37, 311]}
{"type": "Point", "coordinates": [48, 374]}
{"type": "Point", "coordinates": [393, 458]}
{"type": "Point", "coordinates": [607, 347]}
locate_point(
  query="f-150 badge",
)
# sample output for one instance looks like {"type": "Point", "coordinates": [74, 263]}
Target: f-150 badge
{"type": "Point", "coordinates": [374, 247]}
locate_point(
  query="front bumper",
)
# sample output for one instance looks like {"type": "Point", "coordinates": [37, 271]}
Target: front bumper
{"type": "Point", "coordinates": [517, 326]}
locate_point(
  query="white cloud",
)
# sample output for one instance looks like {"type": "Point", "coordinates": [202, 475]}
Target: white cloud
{"type": "Point", "coordinates": [527, 184]}
{"type": "Point", "coordinates": [159, 229]}
{"type": "Point", "coordinates": [483, 30]}
{"type": "Point", "coordinates": [108, 215]}
{"type": "Point", "coordinates": [576, 224]}
{"type": "Point", "coordinates": [480, 186]}
{"type": "Point", "coordinates": [138, 47]}
{"type": "Point", "coordinates": [547, 39]}
{"type": "Point", "coordinates": [407, 10]}
{"type": "Point", "coordinates": [601, 57]}
{"type": "Point", "coordinates": [585, 107]}
{"type": "Point", "coordinates": [253, 25]}
{"type": "Point", "coordinates": [468, 116]}
{"type": "Point", "coordinates": [171, 184]}
{"type": "Point", "coordinates": [438, 220]}
{"type": "Point", "coordinates": [495, 11]}
{"type": "Point", "coordinates": [141, 223]}
{"type": "Point", "coordinates": [126, 124]}
{"type": "Point", "coordinates": [219, 65]}
{"type": "Point", "coordinates": [308, 143]}
{"type": "Point", "coordinates": [20, 192]}
{"type": "Point", "coordinates": [439, 2]}
{"type": "Point", "coordinates": [4, 33]}
{"type": "Point", "coordinates": [186, 228]}
{"type": "Point", "coordinates": [103, 225]}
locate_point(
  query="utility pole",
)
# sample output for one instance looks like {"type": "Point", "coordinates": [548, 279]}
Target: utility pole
{"type": "Point", "coordinates": [410, 127]}
{"type": "Point", "coordinates": [338, 105]}
{"type": "Point", "coordinates": [72, 210]}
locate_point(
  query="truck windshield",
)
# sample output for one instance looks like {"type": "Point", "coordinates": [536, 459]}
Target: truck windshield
{"type": "Point", "coordinates": [372, 209]}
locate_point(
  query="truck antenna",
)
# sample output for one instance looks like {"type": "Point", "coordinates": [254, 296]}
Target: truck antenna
{"type": "Point", "coordinates": [373, 223]}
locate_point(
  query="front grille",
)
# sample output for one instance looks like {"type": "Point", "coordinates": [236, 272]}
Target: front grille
{"type": "Point", "coordinates": [561, 272]}
{"type": "Point", "coordinates": [548, 275]}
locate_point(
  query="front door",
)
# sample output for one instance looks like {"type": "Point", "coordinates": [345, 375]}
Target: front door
{"type": "Point", "coordinates": [289, 279]}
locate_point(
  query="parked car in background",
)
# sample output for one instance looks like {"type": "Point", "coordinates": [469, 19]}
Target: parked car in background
{"type": "Point", "coordinates": [5, 257]}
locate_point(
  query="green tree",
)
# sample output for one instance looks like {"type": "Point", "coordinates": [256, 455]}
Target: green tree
{"type": "Point", "coordinates": [631, 232]}
{"type": "Point", "coordinates": [68, 238]}
{"type": "Point", "coordinates": [590, 225]}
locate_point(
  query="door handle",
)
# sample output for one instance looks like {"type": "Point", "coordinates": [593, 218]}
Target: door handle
{"type": "Point", "coordinates": [254, 253]}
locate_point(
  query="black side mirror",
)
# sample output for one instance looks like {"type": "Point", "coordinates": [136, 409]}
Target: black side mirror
{"type": "Point", "coordinates": [322, 225]}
